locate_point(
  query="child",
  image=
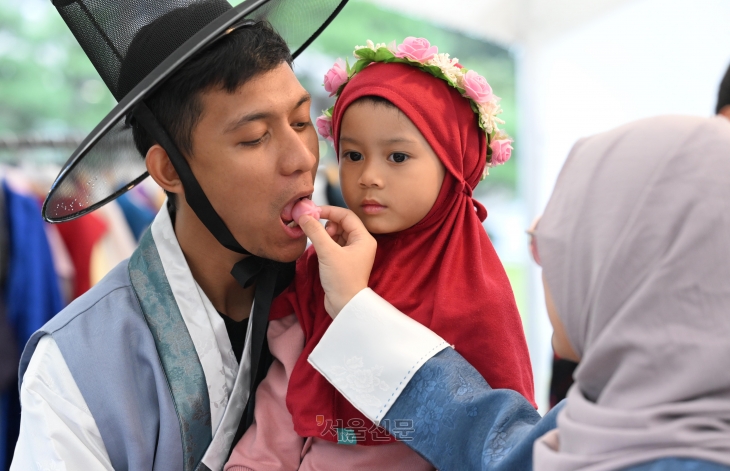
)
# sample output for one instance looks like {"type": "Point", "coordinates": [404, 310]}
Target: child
{"type": "Point", "coordinates": [412, 147]}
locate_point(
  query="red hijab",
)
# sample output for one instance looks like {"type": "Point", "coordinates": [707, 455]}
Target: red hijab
{"type": "Point", "coordinates": [442, 272]}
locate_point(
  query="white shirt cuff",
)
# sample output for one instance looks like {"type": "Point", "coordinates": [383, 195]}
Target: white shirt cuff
{"type": "Point", "coordinates": [371, 351]}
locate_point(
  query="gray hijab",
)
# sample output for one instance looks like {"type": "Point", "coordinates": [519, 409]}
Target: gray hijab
{"type": "Point", "coordinates": [635, 248]}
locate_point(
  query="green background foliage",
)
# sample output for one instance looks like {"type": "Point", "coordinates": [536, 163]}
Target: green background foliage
{"type": "Point", "coordinates": [49, 88]}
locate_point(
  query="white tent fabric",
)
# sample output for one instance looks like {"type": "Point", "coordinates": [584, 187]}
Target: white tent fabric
{"type": "Point", "coordinates": [506, 22]}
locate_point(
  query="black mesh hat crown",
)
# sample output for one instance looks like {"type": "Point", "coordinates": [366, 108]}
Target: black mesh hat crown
{"type": "Point", "coordinates": [155, 41]}
{"type": "Point", "coordinates": [135, 45]}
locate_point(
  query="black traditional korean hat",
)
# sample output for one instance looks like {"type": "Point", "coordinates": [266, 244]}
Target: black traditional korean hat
{"type": "Point", "coordinates": [107, 164]}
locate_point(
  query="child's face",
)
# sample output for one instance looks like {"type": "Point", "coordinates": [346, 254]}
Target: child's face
{"type": "Point", "coordinates": [390, 176]}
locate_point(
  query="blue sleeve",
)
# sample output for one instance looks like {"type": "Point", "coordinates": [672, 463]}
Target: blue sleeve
{"type": "Point", "coordinates": [449, 415]}
{"type": "Point", "coordinates": [678, 464]}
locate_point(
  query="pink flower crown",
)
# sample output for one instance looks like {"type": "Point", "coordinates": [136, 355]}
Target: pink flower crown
{"type": "Point", "coordinates": [418, 52]}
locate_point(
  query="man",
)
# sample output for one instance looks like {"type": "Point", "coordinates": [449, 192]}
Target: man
{"type": "Point", "coordinates": [147, 370]}
{"type": "Point", "coordinates": [156, 366]}
{"type": "Point", "coordinates": [723, 96]}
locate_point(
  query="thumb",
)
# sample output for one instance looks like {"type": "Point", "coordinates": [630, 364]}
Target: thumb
{"type": "Point", "coordinates": [316, 233]}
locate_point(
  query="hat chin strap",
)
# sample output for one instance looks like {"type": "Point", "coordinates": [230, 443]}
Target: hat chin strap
{"type": "Point", "coordinates": [271, 277]}
{"type": "Point", "coordinates": [194, 194]}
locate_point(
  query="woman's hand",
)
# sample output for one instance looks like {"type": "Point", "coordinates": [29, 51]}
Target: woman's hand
{"type": "Point", "coordinates": [346, 253]}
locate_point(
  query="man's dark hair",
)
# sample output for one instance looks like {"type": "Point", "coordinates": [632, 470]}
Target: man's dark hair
{"type": "Point", "coordinates": [228, 64]}
{"type": "Point", "coordinates": [723, 96]}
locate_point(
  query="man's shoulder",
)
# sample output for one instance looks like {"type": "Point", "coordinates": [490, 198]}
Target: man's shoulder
{"type": "Point", "coordinates": [105, 298]}
{"type": "Point", "coordinates": [108, 309]}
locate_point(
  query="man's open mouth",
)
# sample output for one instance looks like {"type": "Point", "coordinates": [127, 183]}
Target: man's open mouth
{"type": "Point", "coordinates": [286, 213]}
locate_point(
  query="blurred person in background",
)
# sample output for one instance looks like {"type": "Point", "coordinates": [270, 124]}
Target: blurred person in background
{"type": "Point", "coordinates": [723, 96]}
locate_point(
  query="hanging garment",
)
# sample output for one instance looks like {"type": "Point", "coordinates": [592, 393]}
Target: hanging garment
{"type": "Point", "coordinates": [62, 262]}
{"type": "Point", "coordinates": [32, 295]}
{"type": "Point", "coordinates": [8, 347]}
{"type": "Point", "coordinates": [80, 237]}
{"type": "Point", "coordinates": [117, 244]}
{"type": "Point", "coordinates": [139, 216]}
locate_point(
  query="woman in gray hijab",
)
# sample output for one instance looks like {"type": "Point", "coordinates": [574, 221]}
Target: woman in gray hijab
{"type": "Point", "coordinates": [635, 249]}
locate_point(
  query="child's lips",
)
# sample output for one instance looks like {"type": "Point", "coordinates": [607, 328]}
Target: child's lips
{"type": "Point", "coordinates": [372, 207]}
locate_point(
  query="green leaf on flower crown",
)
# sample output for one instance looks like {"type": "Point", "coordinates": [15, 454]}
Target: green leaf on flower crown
{"type": "Point", "coordinates": [359, 65]}
{"type": "Point", "coordinates": [365, 53]}
{"type": "Point", "coordinates": [348, 69]}
{"type": "Point", "coordinates": [383, 55]}
{"type": "Point", "coordinates": [328, 111]}
{"type": "Point", "coordinates": [452, 83]}
{"type": "Point", "coordinates": [435, 71]}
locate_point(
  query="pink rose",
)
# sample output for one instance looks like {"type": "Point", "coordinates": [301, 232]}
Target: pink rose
{"type": "Point", "coordinates": [324, 126]}
{"type": "Point", "coordinates": [416, 49]}
{"type": "Point", "coordinates": [476, 87]}
{"type": "Point", "coordinates": [335, 77]}
{"type": "Point", "coordinates": [501, 151]}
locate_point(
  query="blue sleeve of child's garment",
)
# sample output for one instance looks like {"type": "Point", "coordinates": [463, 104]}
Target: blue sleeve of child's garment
{"type": "Point", "coordinates": [450, 416]}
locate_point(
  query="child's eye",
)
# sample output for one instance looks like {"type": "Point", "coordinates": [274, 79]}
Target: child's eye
{"type": "Point", "coordinates": [353, 156]}
{"type": "Point", "coordinates": [398, 157]}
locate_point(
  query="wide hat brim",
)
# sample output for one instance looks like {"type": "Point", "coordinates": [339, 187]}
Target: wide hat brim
{"type": "Point", "coordinates": [107, 163]}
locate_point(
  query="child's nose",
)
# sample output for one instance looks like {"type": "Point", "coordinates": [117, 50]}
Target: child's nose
{"type": "Point", "coordinates": [370, 177]}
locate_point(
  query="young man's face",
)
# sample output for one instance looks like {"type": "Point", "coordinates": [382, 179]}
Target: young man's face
{"type": "Point", "coordinates": [255, 153]}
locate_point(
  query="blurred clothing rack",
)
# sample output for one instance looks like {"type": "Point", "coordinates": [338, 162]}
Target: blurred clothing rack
{"type": "Point", "coordinates": [13, 143]}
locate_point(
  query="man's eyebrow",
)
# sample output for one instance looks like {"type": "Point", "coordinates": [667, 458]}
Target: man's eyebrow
{"type": "Point", "coordinates": [257, 116]}
{"type": "Point", "coordinates": [245, 119]}
{"type": "Point", "coordinates": [304, 99]}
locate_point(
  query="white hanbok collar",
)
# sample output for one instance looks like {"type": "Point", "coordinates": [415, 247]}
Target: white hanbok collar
{"type": "Point", "coordinates": [227, 381]}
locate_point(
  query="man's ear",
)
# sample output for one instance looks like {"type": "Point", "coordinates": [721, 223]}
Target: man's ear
{"type": "Point", "coordinates": [161, 170]}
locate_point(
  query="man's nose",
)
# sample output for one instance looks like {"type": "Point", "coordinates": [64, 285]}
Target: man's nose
{"type": "Point", "coordinates": [300, 152]}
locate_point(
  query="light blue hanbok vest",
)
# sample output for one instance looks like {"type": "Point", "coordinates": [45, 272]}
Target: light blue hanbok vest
{"type": "Point", "coordinates": [130, 353]}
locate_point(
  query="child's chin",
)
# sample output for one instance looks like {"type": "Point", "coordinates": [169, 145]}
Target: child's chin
{"type": "Point", "coordinates": [381, 226]}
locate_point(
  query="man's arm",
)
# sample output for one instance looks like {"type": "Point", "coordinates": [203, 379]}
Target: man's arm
{"type": "Point", "coordinates": [57, 430]}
